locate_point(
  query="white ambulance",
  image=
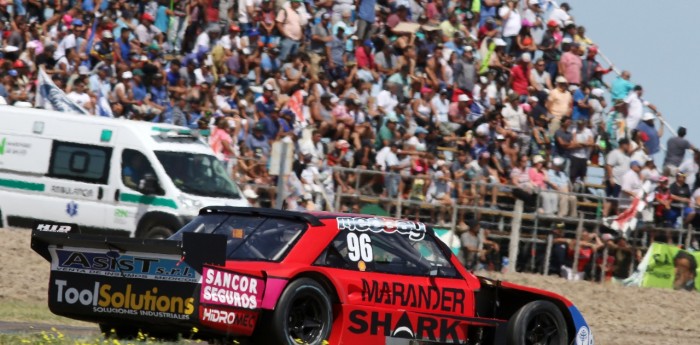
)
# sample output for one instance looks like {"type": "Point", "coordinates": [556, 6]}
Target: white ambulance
{"type": "Point", "coordinates": [137, 178]}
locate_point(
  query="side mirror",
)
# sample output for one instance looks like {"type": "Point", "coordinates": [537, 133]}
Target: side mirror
{"type": "Point", "coordinates": [148, 184]}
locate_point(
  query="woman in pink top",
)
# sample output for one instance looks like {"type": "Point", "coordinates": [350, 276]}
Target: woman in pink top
{"type": "Point", "coordinates": [537, 173]}
{"type": "Point", "coordinates": [221, 141]}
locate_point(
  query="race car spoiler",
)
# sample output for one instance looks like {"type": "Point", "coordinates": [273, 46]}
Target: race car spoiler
{"type": "Point", "coordinates": [195, 249]}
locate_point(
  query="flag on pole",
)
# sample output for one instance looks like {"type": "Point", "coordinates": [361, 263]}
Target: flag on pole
{"type": "Point", "coordinates": [51, 97]}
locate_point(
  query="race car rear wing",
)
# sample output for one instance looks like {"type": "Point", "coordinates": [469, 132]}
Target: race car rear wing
{"type": "Point", "coordinates": [196, 249]}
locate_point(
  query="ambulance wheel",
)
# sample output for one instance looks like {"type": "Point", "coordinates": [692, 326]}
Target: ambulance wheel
{"type": "Point", "coordinates": [158, 232]}
{"type": "Point", "coordinates": [538, 322]}
{"type": "Point", "coordinates": [303, 314]}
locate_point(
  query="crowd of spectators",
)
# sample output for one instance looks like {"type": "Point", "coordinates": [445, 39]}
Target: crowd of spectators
{"type": "Point", "coordinates": [440, 91]}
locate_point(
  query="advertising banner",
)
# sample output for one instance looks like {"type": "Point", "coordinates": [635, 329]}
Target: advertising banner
{"type": "Point", "coordinates": [671, 267]}
{"type": "Point", "coordinates": [104, 298]}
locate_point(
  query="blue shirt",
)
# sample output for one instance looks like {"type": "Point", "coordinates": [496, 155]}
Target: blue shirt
{"type": "Point", "coordinates": [264, 107]}
{"type": "Point", "coordinates": [161, 19]}
{"type": "Point", "coordinates": [579, 113]}
{"type": "Point", "coordinates": [652, 144]}
{"type": "Point", "coordinates": [620, 88]}
{"type": "Point", "coordinates": [139, 92]}
{"type": "Point", "coordinates": [271, 127]}
{"type": "Point", "coordinates": [366, 10]}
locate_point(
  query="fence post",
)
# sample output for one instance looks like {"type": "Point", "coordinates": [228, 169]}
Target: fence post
{"type": "Point", "coordinates": [548, 253]}
{"type": "Point", "coordinates": [533, 244]}
{"type": "Point", "coordinates": [515, 235]}
{"type": "Point", "coordinates": [398, 202]}
{"type": "Point", "coordinates": [689, 237]}
{"type": "Point", "coordinates": [577, 246]}
{"type": "Point", "coordinates": [604, 266]}
{"type": "Point", "coordinates": [337, 198]}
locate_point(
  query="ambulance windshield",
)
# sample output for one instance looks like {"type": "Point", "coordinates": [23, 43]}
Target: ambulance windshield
{"type": "Point", "coordinates": [198, 174]}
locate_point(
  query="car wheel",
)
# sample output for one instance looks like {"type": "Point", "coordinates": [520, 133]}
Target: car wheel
{"type": "Point", "coordinates": [538, 322]}
{"type": "Point", "coordinates": [119, 332]}
{"type": "Point", "coordinates": [158, 232]}
{"type": "Point", "coordinates": [304, 313]}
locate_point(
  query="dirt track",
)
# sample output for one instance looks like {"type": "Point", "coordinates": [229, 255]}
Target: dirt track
{"type": "Point", "coordinates": [617, 315]}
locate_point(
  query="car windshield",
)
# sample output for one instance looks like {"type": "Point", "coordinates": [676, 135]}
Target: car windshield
{"type": "Point", "coordinates": [198, 174]}
{"type": "Point", "coordinates": [249, 237]}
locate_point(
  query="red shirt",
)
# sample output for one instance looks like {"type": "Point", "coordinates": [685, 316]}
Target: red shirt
{"type": "Point", "coordinates": [520, 80]}
{"type": "Point", "coordinates": [364, 59]}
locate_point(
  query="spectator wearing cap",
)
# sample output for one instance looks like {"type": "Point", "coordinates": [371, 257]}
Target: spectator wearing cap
{"type": "Point", "coordinates": [635, 107]}
{"type": "Point", "coordinates": [540, 179]}
{"type": "Point", "coordinates": [388, 132]}
{"type": "Point", "coordinates": [364, 55]}
{"type": "Point", "coordinates": [559, 103]}
{"type": "Point", "coordinates": [146, 32]}
{"type": "Point", "coordinates": [320, 37]}
{"type": "Point", "coordinates": [617, 163]}
{"type": "Point", "coordinates": [589, 66]}
{"type": "Point", "coordinates": [99, 83]}
{"type": "Point", "coordinates": [558, 180]}
{"type": "Point", "coordinates": [519, 75]}
{"type": "Point", "coordinates": [69, 41]}
{"type": "Point", "coordinates": [549, 47]}
{"type": "Point", "coordinates": [102, 48]}
{"type": "Point", "coordinates": [258, 142]}
{"type": "Point", "coordinates": [289, 24]}
{"type": "Point", "coordinates": [621, 86]}
{"type": "Point", "coordinates": [680, 195]}
{"type": "Point", "coordinates": [631, 186]}
{"type": "Point", "coordinates": [465, 70]}
{"type": "Point", "coordinates": [616, 125]}
{"type": "Point", "coordinates": [124, 46]}
{"type": "Point", "coordinates": [650, 135]}
{"type": "Point", "coordinates": [597, 104]}
{"type": "Point", "coordinates": [533, 14]}
{"type": "Point", "coordinates": [675, 150]}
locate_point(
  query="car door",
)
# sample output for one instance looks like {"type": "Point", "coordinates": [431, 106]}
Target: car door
{"type": "Point", "coordinates": [127, 203]}
{"type": "Point", "coordinates": [399, 286]}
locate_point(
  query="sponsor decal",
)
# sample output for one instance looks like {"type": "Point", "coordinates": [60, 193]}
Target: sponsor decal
{"type": "Point", "coordinates": [231, 289]}
{"type": "Point", "coordinates": [239, 321]}
{"type": "Point", "coordinates": [72, 209]}
{"type": "Point", "coordinates": [584, 336]}
{"type": "Point", "coordinates": [397, 294]}
{"type": "Point", "coordinates": [115, 264]}
{"type": "Point", "coordinates": [132, 300]}
{"type": "Point", "coordinates": [414, 230]}
{"type": "Point", "coordinates": [55, 227]}
{"type": "Point", "coordinates": [3, 142]}
{"type": "Point", "coordinates": [87, 193]}
{"type": "Point", "coordinates": [422, 327]}
{"type": "Point", "coordinates": [14, 151]}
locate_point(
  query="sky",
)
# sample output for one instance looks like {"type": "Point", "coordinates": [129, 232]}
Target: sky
{"type": "Point", "coordinates": [653, 39]}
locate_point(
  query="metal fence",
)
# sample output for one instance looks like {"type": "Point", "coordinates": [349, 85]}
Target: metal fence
{"type": "Point", "coordinates": [522, 226]}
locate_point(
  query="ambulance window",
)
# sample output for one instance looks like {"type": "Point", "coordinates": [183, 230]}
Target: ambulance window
{"type": "Point", "coordinates": [134, 166]}
{"type": "Point", "coordinates": [85, 163]}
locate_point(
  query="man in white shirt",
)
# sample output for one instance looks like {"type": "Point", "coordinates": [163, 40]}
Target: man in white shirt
{"type": "Point", "coordinates": [635, 106]}
{"type": "Point", "coordinates": [387, 100]}
{"type": "Point", "coordinates": [146, 32]}
{"type": "Point", "coordinates": [516, 121]}
{"type": "Point", "coordinates": [512, 22]}
{"type": "Point", "coordinates": [68, 41]}
{"type": "Point", "coordinates": [690, 168]}
{"type": "Point", "coordinates": [631, 184]}
{"type": "Point", "coordinates": [561, 14]}
{"type": "Point", "coordinates": [580, 151]}
{"type": "Point", "coordinates": [207, 39]}
{"type": "Point", "coordinates": [79, 96]}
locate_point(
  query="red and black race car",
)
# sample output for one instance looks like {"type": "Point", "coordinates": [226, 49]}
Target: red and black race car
{"type": "Point", "coordinates": [280, 277]}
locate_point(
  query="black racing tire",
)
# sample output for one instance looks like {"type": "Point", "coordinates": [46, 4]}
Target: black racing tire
{"type": "Point", "coordinates": [118, 331]}
{"type": "Point", "coordinates": [304, 312]}
{"type": "Point", "coordinates": [158, 232]}
{"type": "Point", "coordinates": [538, 322]}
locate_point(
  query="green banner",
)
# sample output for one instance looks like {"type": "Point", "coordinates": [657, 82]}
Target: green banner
{"type": "Point", "coordinates": [672, 268]}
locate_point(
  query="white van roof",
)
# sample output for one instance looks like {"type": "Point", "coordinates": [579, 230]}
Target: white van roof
{"type": "Point", "coordinates": [90, 130]}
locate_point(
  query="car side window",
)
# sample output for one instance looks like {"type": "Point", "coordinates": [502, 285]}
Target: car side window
{"type": "Point", "coordinates": [135, 166]}
{"type": "Point", "coordinates": [387, 252]}
{"type": "Point", "coordinates": [80, 162]}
